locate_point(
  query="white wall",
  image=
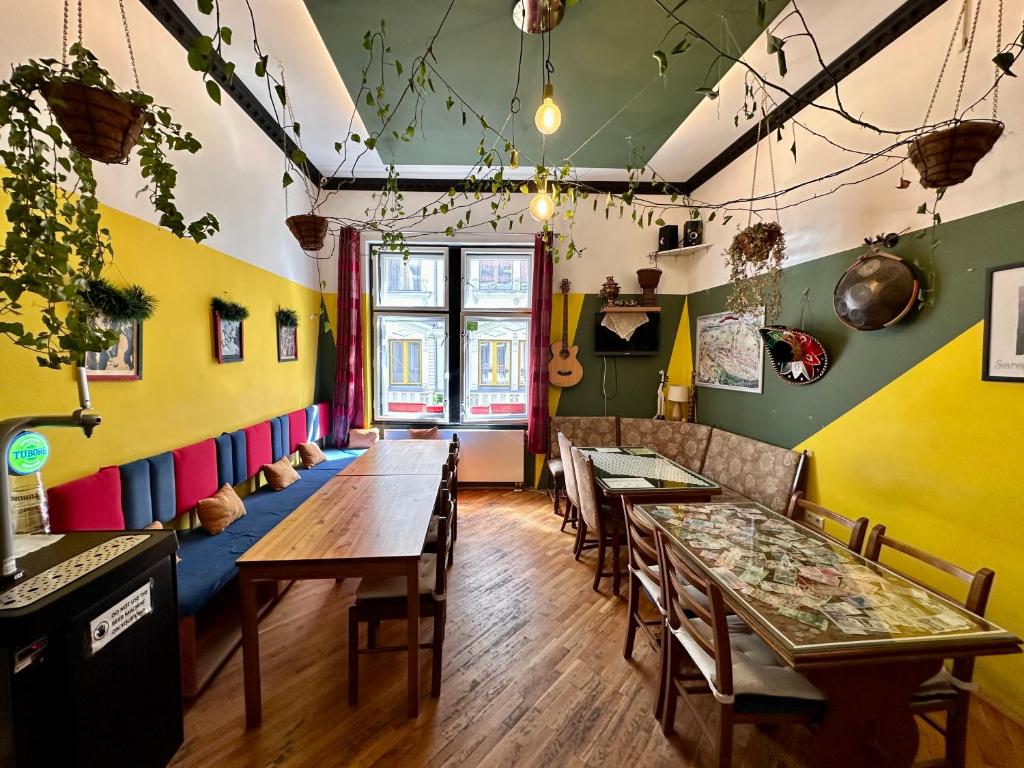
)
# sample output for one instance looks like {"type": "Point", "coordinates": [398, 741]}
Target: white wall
{"type": "Point", "coordinates": [237, 174]}
{"type": "Point", "coordinates": [891, 90]}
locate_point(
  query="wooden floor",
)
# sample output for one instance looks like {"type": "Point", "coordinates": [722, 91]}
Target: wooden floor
{"type": "Point", "coordinates": [533, 675]}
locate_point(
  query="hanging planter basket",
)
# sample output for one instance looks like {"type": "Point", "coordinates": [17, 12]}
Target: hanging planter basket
{"type": "Point", "coordinates": [100, 125]}
{"type": "Point", "coordinates": [309, 229]}
{"type": "Point", "coordinates": [948, 156]}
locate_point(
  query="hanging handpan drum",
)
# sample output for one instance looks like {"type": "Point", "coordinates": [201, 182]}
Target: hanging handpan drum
{"type": "Point", "coordinates": [876, 291]}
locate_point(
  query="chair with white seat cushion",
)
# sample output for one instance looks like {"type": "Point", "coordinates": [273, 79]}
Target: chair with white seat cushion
{"type": "Point", "coordinates": [950, 690]}
{"type": "Point", "coordinates": [711, 652]}
{"type": "Point", "coordinates": [383, 598]}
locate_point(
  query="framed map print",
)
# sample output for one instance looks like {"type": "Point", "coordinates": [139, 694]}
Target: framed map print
{"type": "Point", "coordinates": [729, 352]}
{"type": "Point", "coordinates": [1003, 357]}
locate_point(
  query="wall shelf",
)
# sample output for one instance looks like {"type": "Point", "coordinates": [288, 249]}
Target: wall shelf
{"type": "Point", "coordinates": [614, 310]}
{"type": "Point", "coordinates": [687, 251]}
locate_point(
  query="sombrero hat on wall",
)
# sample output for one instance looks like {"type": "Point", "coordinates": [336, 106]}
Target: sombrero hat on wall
{"type": "Point", "coordinates": [796, 356]}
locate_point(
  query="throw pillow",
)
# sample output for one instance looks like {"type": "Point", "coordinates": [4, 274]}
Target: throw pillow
{"type": "Point", "coordinates": [311, 455]}
{"type": "Point", "coordinates": [220, 510]}
{"type": "Point", "coordinates": [280, 474]}
{"type": "Point", "coordinates": [430, 433]}
{"type": "Point", "coordinates": [363, 438]}
{"type": "Point", "coordinates": [156, 525]}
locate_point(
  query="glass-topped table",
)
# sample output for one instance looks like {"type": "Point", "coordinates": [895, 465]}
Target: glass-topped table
{"type": "Point", "coordinates": [635, 471]}
{"type": "Point", "coordinates": [861, 632]}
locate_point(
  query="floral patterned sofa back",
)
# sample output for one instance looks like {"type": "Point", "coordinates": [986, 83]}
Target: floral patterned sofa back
{"type": "Point", "coordinates": [761, 472]}
{"type": "Point", "coordinates": [585, 430]}
{"type": "Point", "coordinates": [684, 442]}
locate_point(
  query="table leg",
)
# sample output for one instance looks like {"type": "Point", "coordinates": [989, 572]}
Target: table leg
{"type": "Point", "coordinates": [868, 723]}
{"type": "Point", "coordinates": [250, 650]}
{"type": "Point", "coordinates": [413, 602]}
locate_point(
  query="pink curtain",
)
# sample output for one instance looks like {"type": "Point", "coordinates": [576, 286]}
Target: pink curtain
{"type": "Point", "coordinates": [347, 406]}
{"type": "Point", "coordinates": [540, 342]}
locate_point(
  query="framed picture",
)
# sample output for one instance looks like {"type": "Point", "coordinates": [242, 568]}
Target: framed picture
{"type": "Point", "coordinates": [122, 361]}
{"type": "Point", "coordinates": [287, 342]}
{"type": "Point", "coordinates": [229, 339]}
{"type": "Point", "coordinates": [729, 351]}
{"type": "Point", "coordinates": [1003, 357]}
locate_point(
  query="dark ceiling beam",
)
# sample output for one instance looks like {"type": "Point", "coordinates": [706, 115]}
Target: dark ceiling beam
{"type": "Point", "coordinates": [886, 32]}
{"type": "Point", "coordinates": [184, 31]}
{"type": "Point", "coordinates": [368, 184]}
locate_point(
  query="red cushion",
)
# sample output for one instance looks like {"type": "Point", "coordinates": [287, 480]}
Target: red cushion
{"type": "Point", "coordinates": [90, 503]}
{"type": "Point", "coordinates": [325, 419]}
{"type": "Point", "coordinates": [195, 473]}
{"type": "Point", "coordinates": [296, 429]}
{"type": "Point", "coordinates": [257, 447]}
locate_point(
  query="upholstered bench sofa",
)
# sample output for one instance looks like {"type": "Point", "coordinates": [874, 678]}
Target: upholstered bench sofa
{"type": "Point", "coordinates": [747, 469]}
{"type": "Point", "coordinates": [167, 487]}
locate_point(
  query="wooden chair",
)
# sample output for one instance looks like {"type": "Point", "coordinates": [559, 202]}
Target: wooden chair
{"type": "Point", "coordinates": [645, 583]}
{"type": "Point", "coordinates": [445, 507]}
{"type": "Point", "coordinates": [810, 515]}
{"type": "Point", "coordinates": [454, 454]}
{"type": "Point", "coordinates": [950, 690]}
{"type": "Point", "coordinates": [709, 652]}
{"type": "Point", "coordinates": [572, 497]}
{"type": "Point", "coordinates": [598, 518]}
{"type": "Point", "coordinates": [383, 598]}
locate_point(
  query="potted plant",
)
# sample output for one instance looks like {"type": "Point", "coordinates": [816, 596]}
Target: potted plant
{"type": "Point", "coordinates": [56, 244]}
{"type": "Point", "coordinates": [755, 259]}
{"type": "Point", "coordinates": [947, 156]}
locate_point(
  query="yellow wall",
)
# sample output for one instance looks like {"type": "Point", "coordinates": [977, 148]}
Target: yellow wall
{"type": "Point", "coordinates": [944, 474]}
{"type": "Point", "coordinates": [185, 395]}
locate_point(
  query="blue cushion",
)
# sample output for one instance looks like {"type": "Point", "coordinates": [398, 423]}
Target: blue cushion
{"type": "Point", "coordinates": [208, 562]}
{"type": "Point", "coordinates": [225, 460]}
{"type": "Point", "coordinates": [275, 439]}
{"type": "Point", "coordinates": [337, 460]}
{"type": "Point", "coordinates": [136, 496]}
{"type": "Point", "coordinates": [239, 455]}
{"type": "Point", "coordinates": [161, 484]}
{"type": "Point", "coordinates": [286, 432]}
{"type": "Point", "coordinates": [312, 424]}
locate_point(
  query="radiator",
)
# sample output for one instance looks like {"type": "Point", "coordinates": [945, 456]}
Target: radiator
{"type": "Point", "coordinates": [488, 455]}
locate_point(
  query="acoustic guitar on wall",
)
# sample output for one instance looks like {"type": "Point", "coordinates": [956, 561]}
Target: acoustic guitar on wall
{"type": "Point", "coordinates": [564, 370]}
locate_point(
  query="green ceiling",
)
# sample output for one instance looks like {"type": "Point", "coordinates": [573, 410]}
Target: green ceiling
{"type": "Point", "coordinates": [602, 54]}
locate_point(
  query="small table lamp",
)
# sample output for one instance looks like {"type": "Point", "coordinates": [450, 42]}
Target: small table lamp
{"type": "Point", "coordinates": [677, 395]}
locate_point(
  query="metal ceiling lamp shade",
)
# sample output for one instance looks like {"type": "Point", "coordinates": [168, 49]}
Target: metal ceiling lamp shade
{"type": "Point", "coordinates": [538, 16]}
{"type": "Point", "coordinates": [878, 290]}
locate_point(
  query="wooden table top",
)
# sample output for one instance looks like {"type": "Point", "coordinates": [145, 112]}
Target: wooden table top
{"type": "Point", "coordinates": [401, 457]}
{"type": "Point", "coordinates": [354, 518]}
{"type": "Point", "coordinates": [813, 600]}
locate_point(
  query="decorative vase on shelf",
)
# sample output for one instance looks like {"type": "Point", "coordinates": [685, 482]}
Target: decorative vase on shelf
{"type": "Point", "coordinates": [648, 277]}
{"type": "Point", "coordinates": [609, 291]}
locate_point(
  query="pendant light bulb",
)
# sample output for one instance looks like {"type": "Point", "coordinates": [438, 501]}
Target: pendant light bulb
{"type": "Point", "coordinates": [548, 116]}
{"type": "Point", "coordinates": [542, 207]}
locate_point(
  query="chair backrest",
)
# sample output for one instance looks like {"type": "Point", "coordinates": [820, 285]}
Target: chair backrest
{"type": "Point", "coordinates": [705, 624]}
{"type": "Point", "coordinates": [813, 516]}
{"type": "Point", "coordinates": [641, 547]}
{"type": "Point", "coordinates": [978, 590]}
{"type": "Point", "coordinates": [589, 500]}
{"type": "Point", "coordinates": [568, 471]}
{"type": "Point", "coordinates": [440, 569]}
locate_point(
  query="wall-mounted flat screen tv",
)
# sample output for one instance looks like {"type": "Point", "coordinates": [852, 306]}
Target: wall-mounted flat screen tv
{"type": "Point", "coordinates": [645, 340]}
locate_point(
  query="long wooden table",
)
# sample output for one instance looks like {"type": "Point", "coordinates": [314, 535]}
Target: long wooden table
{"type": "Point", "coordinates": [644, 475]}
{"type": "Point", "coordinates": [354, 526]}
{"type": "Point", "coordinates": [400, 457]}
{"type": "Point", "coordinates": [862, 633]}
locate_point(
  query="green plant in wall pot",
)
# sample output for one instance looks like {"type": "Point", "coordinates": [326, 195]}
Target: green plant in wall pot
{"type": "Point", "coordinates": [755, 259]}
{"type": "Point", "coordinates": [288, 318]}
{"type": "Point", "coordinates": [133, 303]}
{"type": "Point", "coordinates": [229, 310]}
{"type": "Point", "coordinates": [56, 246]}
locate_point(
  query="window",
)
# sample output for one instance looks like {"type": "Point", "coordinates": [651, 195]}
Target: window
{"type": "Point", "coordinates": [406, 361]}
{"type": "Point", "coordinates": [484, 293]}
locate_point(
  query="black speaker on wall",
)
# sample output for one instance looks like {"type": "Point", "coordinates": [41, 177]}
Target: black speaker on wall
{"type": "Point", "coordinates": [668, 237]}
{"type": "Point", "coordinates": [693, 232]}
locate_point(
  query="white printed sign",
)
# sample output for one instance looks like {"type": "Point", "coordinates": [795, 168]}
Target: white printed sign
{"type": "Point", "coordinates": [116, 619]}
